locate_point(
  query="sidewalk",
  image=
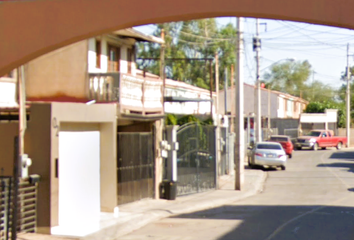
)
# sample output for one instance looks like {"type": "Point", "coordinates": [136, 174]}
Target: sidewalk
{"type": "Point", "coordinates": [135, 215]}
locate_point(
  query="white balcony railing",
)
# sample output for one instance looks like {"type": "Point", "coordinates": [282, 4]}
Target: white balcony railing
{"type": "Point", "coordinates": [104, 87]}
{"type": "Point", "coordinates": [135, 95]}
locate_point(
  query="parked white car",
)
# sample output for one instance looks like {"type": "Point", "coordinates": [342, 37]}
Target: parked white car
{"type": "Point", "coordinates": [268, 154]}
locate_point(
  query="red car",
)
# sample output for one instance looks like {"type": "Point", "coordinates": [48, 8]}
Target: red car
{"type": "Point", "coordinates": [286, 143]}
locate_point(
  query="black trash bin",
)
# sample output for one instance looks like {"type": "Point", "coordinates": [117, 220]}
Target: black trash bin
{"type": "Point", "coordinates": [170, 190]}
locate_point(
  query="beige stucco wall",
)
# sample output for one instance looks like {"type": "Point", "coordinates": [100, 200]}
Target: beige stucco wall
{"type": "Point", "coordinates": [41, 144]}
{"type": "Point", "coordinates": [59, 75]}
{"type": "Point", "coordinates": [8, 131]}
{"type": "Point", "coordinates": [82, 117]}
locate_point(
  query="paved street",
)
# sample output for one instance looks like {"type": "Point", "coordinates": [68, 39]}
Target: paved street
{"type": "Point", "coordinates": [312, 199]}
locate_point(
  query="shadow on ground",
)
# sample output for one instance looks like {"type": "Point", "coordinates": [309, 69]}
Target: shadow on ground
{"type": "Point", "coordinates": [346, 164]}
{"type": "Point", "coordinates": [342, 155]}
{"type": "Point", "coordinates": [259, 222]}
{"type": "Point", "coordinates": [265, 169]}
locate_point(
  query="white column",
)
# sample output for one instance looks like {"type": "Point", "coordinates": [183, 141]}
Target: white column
{"type": "Point", "coordinates": [239, 119]}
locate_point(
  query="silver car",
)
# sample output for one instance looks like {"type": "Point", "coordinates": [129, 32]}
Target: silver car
{"type": "Point", "coordinates": [269, 154]}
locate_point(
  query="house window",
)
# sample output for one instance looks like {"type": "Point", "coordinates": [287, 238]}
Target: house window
{"type": "Point", "coordinates": [98, 54]}
{"type": "Point", "coordinates": [130, 58]}
{"type": "Point", "coordinates": [113, 58]}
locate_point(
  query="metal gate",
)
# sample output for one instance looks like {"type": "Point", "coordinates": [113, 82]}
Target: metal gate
{"type": "Point", "coordinates": [196, 159]}
{"type": "Point", "coordinates": [27, 207]}
{"type": "Point", "coordinates": [224, 163]}
{"type": "Point", "coordinates": [135, 167]}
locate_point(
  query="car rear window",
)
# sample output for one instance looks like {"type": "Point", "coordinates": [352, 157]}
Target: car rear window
{"type": "Point", "coordinates": [269, 146]}
{"type": "Point", "coordinates": [279, 139]}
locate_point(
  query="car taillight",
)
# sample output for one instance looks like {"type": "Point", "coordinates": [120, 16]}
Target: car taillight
{"type": "Point", "coordinates": [259, 154]}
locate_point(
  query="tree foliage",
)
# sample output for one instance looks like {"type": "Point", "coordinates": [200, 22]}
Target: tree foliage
{"type": "Point", "coordinates": [172, 119]}
{"type": "Point", "coordinates": [317, 91]}
{"type": "Point", "coordinates": [320, 107]}
{"type": "Point", "coordinates": [198, 39]}
{"type": "Point", "coordinates": [289, 77]}
{"type": "Point", "coordinates": [295, 79]}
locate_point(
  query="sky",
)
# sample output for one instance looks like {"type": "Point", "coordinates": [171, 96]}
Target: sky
{"type": "Point", "coordinates": [325, 48]}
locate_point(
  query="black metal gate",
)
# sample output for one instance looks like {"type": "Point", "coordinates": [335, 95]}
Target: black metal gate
{"type": "Point", "coordinates": [27, 207]}
{"type": "Point", "coordinates": [196, 161]}
{"type": "Point", "coordinates": [135, 167]}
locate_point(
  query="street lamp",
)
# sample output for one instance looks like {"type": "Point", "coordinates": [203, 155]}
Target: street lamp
{"type": "Point", "coordinates": [258, 110]}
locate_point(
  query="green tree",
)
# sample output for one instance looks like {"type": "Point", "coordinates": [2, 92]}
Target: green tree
{"type": "Point", "coordinates": [198, 39]}
{"type": "Point", "coordinates": [320, 107]}
{"type": "Point", "coordinates": [317, 91]}
{"type": "Point", "coordinates": [294, 78]}
{"type": "Point", "coordinates": [289, 77]}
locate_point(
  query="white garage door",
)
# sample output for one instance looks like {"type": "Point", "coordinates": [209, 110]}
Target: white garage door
{"type": "Point", "coordinates": [79, 181]}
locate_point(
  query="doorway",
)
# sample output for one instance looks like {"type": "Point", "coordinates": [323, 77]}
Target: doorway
{"type": "Point", "coordinates": [79, 182]}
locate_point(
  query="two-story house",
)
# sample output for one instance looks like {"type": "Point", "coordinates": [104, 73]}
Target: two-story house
{"type": "Point", "coordinates": [276, 106]}
{"type": "Point", "coordinates": [92, 133]}
{"type": "Point", "coordinates": [95, 124]}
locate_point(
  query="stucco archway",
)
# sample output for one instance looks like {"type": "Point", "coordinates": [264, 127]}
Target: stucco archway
{"type": "Point", "coordinates": [32, 28]}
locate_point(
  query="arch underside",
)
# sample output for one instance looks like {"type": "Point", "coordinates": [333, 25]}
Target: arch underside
{"type": "Point", "coordinates": [30, 29]}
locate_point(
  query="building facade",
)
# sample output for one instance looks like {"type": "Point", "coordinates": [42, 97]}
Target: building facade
{"type": "Point", "coordinates": [85, 106]}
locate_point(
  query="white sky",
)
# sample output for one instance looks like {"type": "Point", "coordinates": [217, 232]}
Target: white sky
{"type": "Point", "coordinates": [324, 47]}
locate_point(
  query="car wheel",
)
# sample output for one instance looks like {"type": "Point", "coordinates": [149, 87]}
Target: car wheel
{"type": "Point", "coordinates": [339, 145]}
{"type": "Point", "coordinates": [323, 148]}
{"type": "Point", "coordinates": [283, 168]}
{"type": "Point", "coordinates": [290, 155]}
{"type": "Point", "coordinates": [315, 147]}
{"type": "Point", "coordinates": [298, 148]}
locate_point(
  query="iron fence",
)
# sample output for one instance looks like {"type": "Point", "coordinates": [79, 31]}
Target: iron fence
{"type": "Point", "coordinates": [5, 208]}
{"type": "Point", "coordinates": [135, 167]}
{"type": "Point", "coordinates": [27, 207]}
{"type": "Point", "coordinates": [196, 158]}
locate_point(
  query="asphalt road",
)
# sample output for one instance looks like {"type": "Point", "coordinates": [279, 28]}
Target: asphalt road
{"type": "Point", "coordinates": [312, 199]}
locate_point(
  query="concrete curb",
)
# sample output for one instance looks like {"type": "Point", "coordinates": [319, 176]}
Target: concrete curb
{"type": "Point", "coordinates": [140, 220]}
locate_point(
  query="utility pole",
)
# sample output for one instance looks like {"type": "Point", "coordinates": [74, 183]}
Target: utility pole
{"type": "Point", "coordinates": [232, 105]}
{"type": "Point", "coordinates": [225, 90]}
{"type": "Point", "coordinates": [217, 119]}
{"type": "Point", "coordinates": [217, 84]}
{"type": "Point", "coordinates": [162, 68]}
{"type": "Point", "coordinates": [239, 119]}
{"type": "Point", "coordinates": [269, 92]}
{"type": "Point", "coordinates": [348, 98]}
{"type": "Point", "coordinates": [257, 48]}
{"type": "Point", "coordinates": [211, 87]}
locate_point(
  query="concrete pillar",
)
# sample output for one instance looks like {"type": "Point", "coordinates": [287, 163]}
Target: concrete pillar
{"type": "Point", "coordinates": [171, 132]}
{"type": "Point", "coordinates": [158, 158]}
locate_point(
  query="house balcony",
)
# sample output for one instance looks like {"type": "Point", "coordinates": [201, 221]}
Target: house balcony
{"type": "Point", "coordinates": [135, 95]}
